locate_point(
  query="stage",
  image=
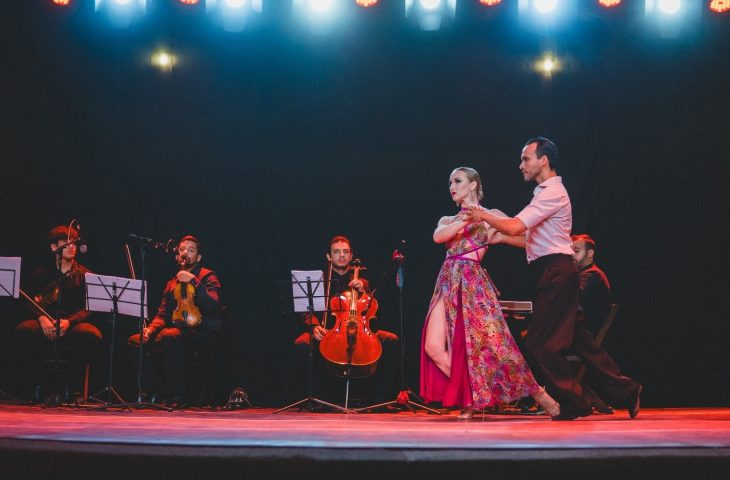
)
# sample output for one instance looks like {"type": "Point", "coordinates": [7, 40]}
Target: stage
{"type": "Point", "coordinates": [69, 443]}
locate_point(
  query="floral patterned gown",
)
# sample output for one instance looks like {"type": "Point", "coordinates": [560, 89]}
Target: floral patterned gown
{"type": "Point", "coordinates": [487, 367]}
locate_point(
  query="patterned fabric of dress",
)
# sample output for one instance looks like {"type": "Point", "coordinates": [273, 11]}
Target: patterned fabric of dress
{"type": "Point", "coordinates": [497, 372]}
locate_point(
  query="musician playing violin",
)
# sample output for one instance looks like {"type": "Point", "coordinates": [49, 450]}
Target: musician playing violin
{"type": "Point", "coordinates": [189, 316]}
{"type": "Point", "coordinates": [59, 288]}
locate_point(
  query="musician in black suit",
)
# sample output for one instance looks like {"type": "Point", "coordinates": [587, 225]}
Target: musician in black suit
{"type": "Point", "coordinates": [595, 291]}
{"type": "Point", "coordinates": [381, 385]}
{"type": "Point", "coordinates": [59, 288]}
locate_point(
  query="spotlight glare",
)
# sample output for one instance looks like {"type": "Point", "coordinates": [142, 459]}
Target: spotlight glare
{"type": "Point", "coordinates": [720, 6]}
{"type": "Point", "coordinates": [545, 6]}
{"type": "Point", "coordinates": [430, 4]}
{"type": "Point", "coordinates": [63, 3]}
{"type": "Point", "coordinates": [609, 3]}
{"type": "Point", "coordinates": [236, 3]}
{"type": "Point", "coordinates": [163, 60]}
{"type": "Point", "coordinates": [121, 2]}
{"type": "Point", "coordinates": [321, 5]}
{"type": "Point", "coordinates": [189, 2]}
{"type": "Point", "coordinates": [669, 7]}
{"type": "Point", "coordinates": [366, 3]}
{"type": "Point", "coordinates": [490, 3]}
{"type": "Point", "coordinates": [547, 65]}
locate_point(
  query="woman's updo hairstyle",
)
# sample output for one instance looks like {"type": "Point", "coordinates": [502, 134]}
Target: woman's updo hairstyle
{"type": "Point", "coordinates": [473, 176]}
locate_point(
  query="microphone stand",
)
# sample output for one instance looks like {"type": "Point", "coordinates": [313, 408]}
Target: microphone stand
{"type": "Point", "coordinates": [406, 397]}
{"type": "Point", "coordinates": [144, 241]}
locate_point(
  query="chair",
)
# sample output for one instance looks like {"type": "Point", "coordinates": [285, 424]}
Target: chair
{"type": "Point", "coordinates": [64, 366]}
{"type": "Point", "coordinates": [598, 403]}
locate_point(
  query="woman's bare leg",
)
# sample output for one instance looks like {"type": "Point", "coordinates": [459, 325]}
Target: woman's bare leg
{"type": "Point", "coordinates": [436, 344]}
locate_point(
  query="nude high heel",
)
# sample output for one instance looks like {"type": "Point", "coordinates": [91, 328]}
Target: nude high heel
{"type": "Point", "coordinates": [547, 402]}
{"type": "Point", "coordinates": [466, 414]}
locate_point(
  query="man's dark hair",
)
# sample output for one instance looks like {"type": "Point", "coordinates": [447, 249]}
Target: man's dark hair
{"type": "Point", "coordinates": [191, 238]}
{"type": "Point", "coordinates": [545, 147]}
{"type": "Point", "coordinates": [584, 237]}
{"type": "Point", "coordinates": [61, 232]}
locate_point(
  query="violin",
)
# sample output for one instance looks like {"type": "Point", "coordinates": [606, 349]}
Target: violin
{"type": "Point", "coordinates": [351, 346]}
{"type": "Point", "coordinates": [184, 293]}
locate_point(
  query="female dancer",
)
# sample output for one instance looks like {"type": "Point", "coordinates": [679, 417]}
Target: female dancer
{"type": "Point", "coordinates": [468, 356]}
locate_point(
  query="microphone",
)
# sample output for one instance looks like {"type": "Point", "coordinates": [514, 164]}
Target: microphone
{"type": "Point", "coordinates": [80, 242]}
{"type": "Point", "coordinates": [398, 258]}
{"type": "Point", "coordinates": [80, 246]}
{"type": "Point", "coordinates": [167, 247]}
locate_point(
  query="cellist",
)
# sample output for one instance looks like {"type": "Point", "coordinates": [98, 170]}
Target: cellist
{"type": "Point", "coordinates": [188, 317]}
{"type": "Point", "coordinates": [382, 384]}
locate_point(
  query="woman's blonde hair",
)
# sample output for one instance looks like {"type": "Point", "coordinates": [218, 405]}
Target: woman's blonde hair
{"type": "Point", "coordinates": [473, 176]}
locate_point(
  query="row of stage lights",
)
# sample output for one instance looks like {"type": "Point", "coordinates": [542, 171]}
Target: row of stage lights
{"type": "Point", "coordinates": [234, 15]}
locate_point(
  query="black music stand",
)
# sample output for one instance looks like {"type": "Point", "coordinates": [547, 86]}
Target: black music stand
{"type": "Point", "coordinates": [406, 397]}
{"type": "Point", "coordinates": [142, 318]}
{"type": "Point", "coordinates": [304, 301]}
{"type": "Point", "coordinates": [9, 287]}
{"type": "Point", "coordinates": [113, 295]}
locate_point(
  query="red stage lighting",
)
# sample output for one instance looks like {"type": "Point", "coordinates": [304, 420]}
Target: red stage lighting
{"type": "Point", "coordinates": [720, 6]}
{"type": "Point", "coordinates": [609, 3]}
{"type": "Point", "coordinates": [63, 3]}
{"type": "Point", "coordinates": [189, 2]}
{"type": "Point", "coordinates": [490, 3]}
{"type": "Point", "coordinates": [366, 3]}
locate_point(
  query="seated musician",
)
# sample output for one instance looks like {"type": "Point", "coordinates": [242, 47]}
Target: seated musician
{"type": "Point", "coordinates": [60, 290]}
{"type": "Point", "coordinates": [381, 385]}
{"type": "Point", "coordinates": [595, 291]}
{"type": "Point", "coordinates": [181, 324]}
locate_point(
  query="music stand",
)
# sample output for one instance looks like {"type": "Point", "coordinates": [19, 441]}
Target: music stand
{"type": "Point", "coordinates": [308, 295]}
{"type": "Point", "coordinates": [406, 395]}
{"type": "Point", "coordinates": [9, 287]}
{"type": "Point", "coordinates": [117, 296]}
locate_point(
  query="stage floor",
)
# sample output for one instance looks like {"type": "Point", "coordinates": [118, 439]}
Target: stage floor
{"type": "Point", "coordinates": [657, 438]}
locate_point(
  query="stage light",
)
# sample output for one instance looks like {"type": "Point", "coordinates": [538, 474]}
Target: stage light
{"type": "Point", "coordinates": [236, 3]}
{"type": "Point", "coordinates": [490, 3]}
{"type": "Point", "coordinates": [430, 4]}
{"type": "Point", "coordinates": [163, 60]}
{"type": "Point", "coordinates": [62, 3]}
{"type": "Point", "coordinates": [233, 15]}
{"type": "Point", "coordinates": [551, 14]}
{"type": "Point", "coordinates": [321, 5]}
{"type": "Point", "coordinates": [189, 2]}
{"type": "Point", "coordinates": [720, 6]}
{"type": "Point", "coordinates": [673, 18]}
{"type": "Point", "coordinates": [366, 3]}
{"type": "Point", "coordinates": [547, 65]}
{"type": "Point", "coordinates": [322, 16]}
{"type": "Point", "coordinates": [545, 6]}
{"type": "Point", "coordinates": [120, 13]}
{"type": "Point", "coordinates": [669, 7]}
{"type": "Point", "coordinates": [609, 3]}
{"type": "Point", "coordinates": [431, 14]}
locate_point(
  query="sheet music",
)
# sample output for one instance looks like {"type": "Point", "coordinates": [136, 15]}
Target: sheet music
{"type": "Point", "coordinates": [10, 277]}
{"type": "Point", "coordinates": [299, 290]}
{"type": "Point", "coordinates": [101, 288]}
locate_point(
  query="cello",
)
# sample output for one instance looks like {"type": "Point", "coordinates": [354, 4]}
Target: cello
{"type": "Point", "coordinates": [351, 347]}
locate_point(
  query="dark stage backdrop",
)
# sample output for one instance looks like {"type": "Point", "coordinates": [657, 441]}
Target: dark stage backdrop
{"type": "Point", "coordinates": [268, 142]}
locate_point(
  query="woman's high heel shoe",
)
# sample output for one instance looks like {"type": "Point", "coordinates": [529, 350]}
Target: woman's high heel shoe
{"type": "Point", "coordinates": [466, 414]}
{"type": "Point", "coordinates": [547, 402]}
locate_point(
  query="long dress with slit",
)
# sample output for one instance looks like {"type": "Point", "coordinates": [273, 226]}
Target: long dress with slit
{"type": "Point", "coordinates": [487, 367]}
